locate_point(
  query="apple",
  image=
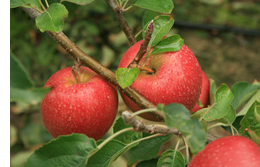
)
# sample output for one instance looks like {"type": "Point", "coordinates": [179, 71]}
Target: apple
{"type": "Point", "coordinates": [237, 151]}
{"type": "Point", "coordinates": [177, 78]}
{"type": "Point", "coordinates": [204, 96]}
{"type": "Point", "coordinates": [89, 107]}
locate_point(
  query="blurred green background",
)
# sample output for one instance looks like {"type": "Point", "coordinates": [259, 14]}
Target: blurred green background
{"type": "Point", "coordinates": [223, 34]}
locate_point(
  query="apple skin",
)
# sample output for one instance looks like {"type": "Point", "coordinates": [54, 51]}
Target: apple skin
{"type": "Point", "coordinates": [89, 107]}
{"type": "Point", "coordinates": [204, 96]}
{"type": "Point", "coordinates": [177, 79]}
{"type": "Point", "coordinates": [237, 151]}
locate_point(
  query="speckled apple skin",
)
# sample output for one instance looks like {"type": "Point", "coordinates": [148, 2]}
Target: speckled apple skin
{"type": "Point", "coordinates": [89, 108]}
{"type": "Point", "coordinates": [204, 96]}
{"type": "Point", "coordinates": [177, 79]}
{"type": "Point", "coordinates": [230, 151]}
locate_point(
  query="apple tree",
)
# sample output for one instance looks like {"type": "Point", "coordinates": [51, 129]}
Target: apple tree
{"type": "Point", "coordinates": [159, 79]}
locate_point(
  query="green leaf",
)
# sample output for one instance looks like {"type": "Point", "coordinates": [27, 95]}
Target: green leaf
{"type": "Point", "coordinates": [220, 108]}
{"type": "Point", "coordinates": [255, 97]}
{"type": "Point", "coordinates": [178, 116]}
{"type": "Point", "coordinates": [230, 117]}
{"type": "Point", "coordinates": [109, 153]}
{"type": "Point", "coordinates": [213, 89]}
{"type": "Point", "coordinates": [171, 158]}
{"type": "Point", "coordinates": [148, 163]}
{"type": "Point", "coordinates": [199, 113]}
{"type": "Point", "coordinates": [249, 122]}
{"type": "Point", "coordinates": [33, 134]}
{"type": "Point", "coordinates": [70, 150]}
{"type": "Point", "coordinates": [235, 124]}
{"type": "Point", "coordinates": [254, 137]}
{"type": "Point", "coordinates": [52, 18]}
{"type": "Point", "coordinates": [19, 77]}
{"type": "Point", "coordinates": [257, 113]}
{"type": "Point", "coordinates": [170, 44]}
{"type": "Point", "coordinates": [79, 2]}
{"type": "Point", "coordinates": [30, 96]}
{"type": "Point", "coordinates": [242, 92]}
{"type": "Point", "coordinates": [126, 137]}
{"type": "Point", "coordinates": [148, 16]}
{"type": "Point", "coordinates": [25, 3]}
{"type": "Point", "coordinates": [147, 149]}
{"type": "Point", "coordinates": [164, 6]}
{"type": "Point", "coordinates": [17, 3]}
{"type": "Point", "coordinates": [162, 24]}
{"type": "Point", "coordinates": [126, 76]}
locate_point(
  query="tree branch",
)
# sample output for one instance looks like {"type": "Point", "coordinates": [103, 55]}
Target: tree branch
{"type": "Point", "coordinates": [139, 126]}
{"type": "Point", "coordinates": [75, 52]}
{"type": "Point", "coordinates": [121, 20]}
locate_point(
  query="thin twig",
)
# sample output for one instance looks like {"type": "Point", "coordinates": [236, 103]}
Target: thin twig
{"type": "Point", "coordinates": [139, 126]}
{"type": "Point", "coordinates": [143, 47]}
{"type": "Point", "coordinates": [121, 20]}
{"type": "Point", "coordinates": [75, 52]}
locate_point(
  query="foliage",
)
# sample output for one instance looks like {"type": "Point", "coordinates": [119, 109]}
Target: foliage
{"type": "Point", "coordinates": [232, 108]}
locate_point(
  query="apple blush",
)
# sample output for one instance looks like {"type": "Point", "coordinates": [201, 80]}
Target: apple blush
{"type": "Point", "coordinates": [89, 107]}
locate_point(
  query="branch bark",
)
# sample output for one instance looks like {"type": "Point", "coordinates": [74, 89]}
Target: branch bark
{"type": "Point", "coordinates": [75, 52]}
{"type": "Point", "coordinates": [139, 126]}
{"type": "Point", "coordinates": [143, 47]}
{"type": "Point", "coordinates": [121, 20]}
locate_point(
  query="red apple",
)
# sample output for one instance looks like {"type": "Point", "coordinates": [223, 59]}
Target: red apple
{"type": "Point", "coordinates": [177, 78]}
{"type": "Point", "coordinates": [88, 107]}
{"type": "Point", "coordinates": [204, 96]}
{"type": "Point", "coordinates": [237, 151]}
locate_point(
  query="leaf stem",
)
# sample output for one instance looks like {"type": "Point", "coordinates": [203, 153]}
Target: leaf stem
{"type": "Point", "coordinates": [113, 136]}
{"type": "Point", "coordinates": [177, 144]}
{"type": "Point", "coordinates": [142, 139]}
{"type": "Point", "coordinates": [125, 4]}
{"type": "Point", "coordinates": [215, 125]}
{"type": "Point", "coordinates": [47, 3]}
{"type": "Point", "coordinates": [187, 149]}
{"type": "Point", "coordinates": [181, 148]}
{"type": "Point", "coordinates": [234, 129]}
{"type": "Point", "coordinates": [42, 5]}
{"type": "Point", "coordinates": [128, 8]}
{"type": "Point", "coordinates": [136, 35]}
{"type": "Point", "coordinates": [176, 147]}
{"type": "Point", "coordinates": [143, 111]}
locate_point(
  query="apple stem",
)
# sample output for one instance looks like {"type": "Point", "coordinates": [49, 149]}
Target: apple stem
{"type": "Point", "coordinates": [76, 69]}
{"type": "Point", "coordinates": [142, 68]}
{"type": "Point", "coordinates": [143, 47]}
